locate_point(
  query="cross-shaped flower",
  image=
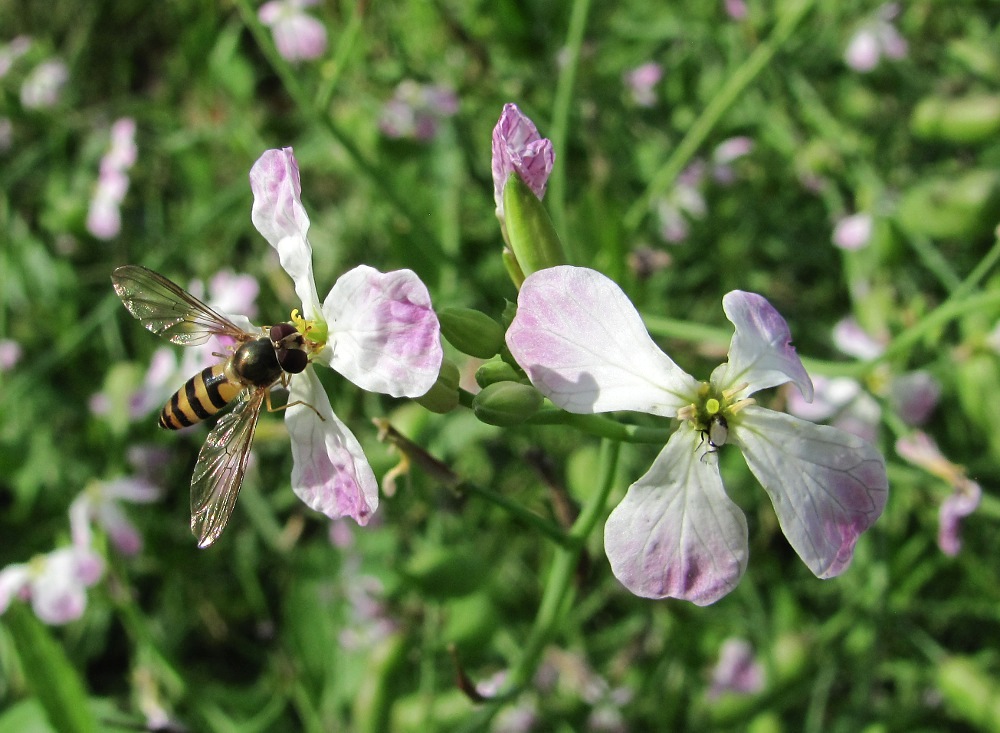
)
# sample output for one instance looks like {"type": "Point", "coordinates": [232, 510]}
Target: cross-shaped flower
{"type": "Point", "coordinates": [676, 533]}
{"type": "Point", "coordinates": [376, 329]}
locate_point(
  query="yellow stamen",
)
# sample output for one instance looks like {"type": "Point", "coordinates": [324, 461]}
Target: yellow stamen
{"type": "Point", "coordinates": [737, 406]}
{"type": "Point", "coordinates": [733, 391]}
{"type": "Point", "coordinates": [316, 332]}
{"type": "Point", "coordinates": [688, 412]}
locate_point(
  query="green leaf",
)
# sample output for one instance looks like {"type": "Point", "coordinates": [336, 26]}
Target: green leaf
{"type": "Point", "coordinates": [50, 675]}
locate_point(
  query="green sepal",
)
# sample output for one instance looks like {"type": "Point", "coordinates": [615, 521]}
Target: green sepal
{"type": "Point", "coordinates": [496, 371]}
{"type": "Point", "coordinates": [471, 332]}
{"type": "Point", "coordinates": [506, 403]}
{"type": "Point", "coordinates": [530, 233]}
{"type": "Point", "coordinates": [443, 396]}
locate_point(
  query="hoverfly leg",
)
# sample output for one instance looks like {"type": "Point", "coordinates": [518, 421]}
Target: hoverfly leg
{"type": "Point", "coordinates": [272, 408]}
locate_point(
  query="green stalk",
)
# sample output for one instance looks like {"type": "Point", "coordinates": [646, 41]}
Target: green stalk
{"type": "Point", "coordinates": [424, 242]}
{"type": "Point", "coordinates": [560, 122]}
{"type": "Point", "coordinates": [558, 586]}
{"type": "Point", "coordinates": [735, 84]}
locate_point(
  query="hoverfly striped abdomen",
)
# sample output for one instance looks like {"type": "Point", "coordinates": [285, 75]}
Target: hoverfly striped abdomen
{"type": "Point", "coordinates": [202, 396]}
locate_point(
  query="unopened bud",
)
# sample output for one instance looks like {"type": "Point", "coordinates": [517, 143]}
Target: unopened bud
{"type": "Point", "coordinates": [496, 371]}
{"type": "Point", "coordinates": [506, 403]}
{"type": "Point", "coordinates": [471, 332]}
{"type": "Point", "coordinates": [443, 396]}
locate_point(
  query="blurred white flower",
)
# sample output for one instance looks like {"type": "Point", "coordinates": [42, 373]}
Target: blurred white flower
{"type": "Point", "coordinates": [54, 583]}
{"type": "Point", "coordinates": [875, 39]}
{"type": "Point", "coordinates": [416, 110]}
{"type": "Point", "coordinates": [42, 87]}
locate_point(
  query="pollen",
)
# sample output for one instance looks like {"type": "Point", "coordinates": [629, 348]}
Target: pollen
{"type": "Point", "coordinates": [315, 332]}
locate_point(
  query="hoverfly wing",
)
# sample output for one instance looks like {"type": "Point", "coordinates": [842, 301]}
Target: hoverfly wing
{"type": "Point", "coordinates": [168, 310]}
{"type": "Point", "coordinates": [222, 462]}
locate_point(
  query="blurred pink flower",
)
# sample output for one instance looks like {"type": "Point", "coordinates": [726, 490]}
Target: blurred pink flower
{"type": "Point", "coordinates": [104, 214]}
{"type": "Point", "coordinates": [853, 232]}
{"type": "Point", "coordinates": [736, 9]}
{"type": "Point", "coordinates": [914, 396]}
{"type": "Point", "coordinates": [737, 671]}
{"type": "Point", "coordinates": [297, 35]}
{"type": "Point", "coordinates": [99, 504]}
{"type": "Point", "coordinates": [55, 583]}
{"type": "Point", "coordinates": [44, 84]}
{"type": "Point", "coordinates": [10, 354]}
{"type": "Point", "coordinates": [920, 449]}
{"type": "Point", "coordinates": [853, 340]}
{"type": "Point", "coordinates": [641, 82]}
{"type": "Point", "coordinates": [416, 110]}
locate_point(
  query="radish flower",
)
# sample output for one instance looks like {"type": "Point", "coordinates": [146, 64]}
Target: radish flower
{"type": "Point", "coordinates": [376, 329]}
{"type": "Point", "coordinates": [676, 533]}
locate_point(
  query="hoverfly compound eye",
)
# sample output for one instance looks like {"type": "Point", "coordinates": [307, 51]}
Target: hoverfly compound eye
{"type": "Point", "coordinates": [292, 361]}
{"type": "Point", "coordinates": [281, 331]}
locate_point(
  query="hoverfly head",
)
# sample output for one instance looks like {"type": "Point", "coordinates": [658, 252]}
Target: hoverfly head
{"type": "Point", "coordinates": [289, 348]}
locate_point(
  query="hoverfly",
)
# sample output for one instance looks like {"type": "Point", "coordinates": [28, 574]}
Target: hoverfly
{"type": "Point", "coordinates": [257, 363]}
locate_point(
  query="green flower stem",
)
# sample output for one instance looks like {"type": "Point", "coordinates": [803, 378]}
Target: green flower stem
{"type": "Point", "coordinates": [601, 426]}
{"type": "Point", "coordinates": [345, 47]}
{"type": "Point", "coordinates": [517, 510]}
{"type": "Point", "coordinates": [558, 586]}
{"type": "Point", "coordinates": [670, 328]}
{"type": "Point", "coordinates": [426, 246]}
{"type": "Point", "coordinates": [735, 84]}
{"type": "Point", "coordinates": [949, 310]}
{"type": "Point", "coordinates": [560, 122]}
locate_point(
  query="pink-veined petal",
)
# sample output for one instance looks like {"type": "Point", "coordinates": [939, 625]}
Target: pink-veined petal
{"type": "Point", "coordinates": [280, 217]}
{"type": "Point", "coordinates": [329, 470]}
{"type": "Point", "coordinates": [584, 346]}
{"type": "Point", "coordinates": [384, 334]}
{"type": "Point", "coordinates": [676, 534]}
{"type": "Point", "coordinates": [761, 354]}
{"type": "Point", "coordinates": [827, 486]}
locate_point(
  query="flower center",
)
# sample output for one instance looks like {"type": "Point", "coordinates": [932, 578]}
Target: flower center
{"type": "Point", "coordinates": [712, 411]}
{"type": "Point", "coordinates": [315, 333]}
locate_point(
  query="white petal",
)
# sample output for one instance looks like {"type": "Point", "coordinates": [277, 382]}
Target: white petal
{"type": "Point", "coordinates": [329, 470]}
{"type": "Point", "coordinates": [827, 486]}
{"type": "Point", "coordinates": [279, 215]}
{"type": "Point", "coordinates": [584, 346]}
{"type": "Point", "coordinates": [761, 354]}
{"type": "Point", "coordinates": [384, 335]}
{"type": "Point", "coordinates": [676, 534]}
{"type": "Point", "coordinates": [13, 579]}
